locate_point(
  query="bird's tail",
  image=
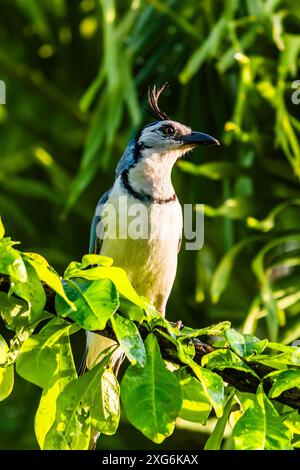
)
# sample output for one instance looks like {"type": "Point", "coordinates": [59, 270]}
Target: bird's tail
{"type": "Point", "coordinates": [95, 344]}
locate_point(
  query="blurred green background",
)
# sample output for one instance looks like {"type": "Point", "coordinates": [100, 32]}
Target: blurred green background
{"type": "Point", "coordinates": [76, 75]}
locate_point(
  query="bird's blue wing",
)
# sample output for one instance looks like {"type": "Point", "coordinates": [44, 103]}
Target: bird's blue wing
{"type": "Point", "coordinates": [95, 242]}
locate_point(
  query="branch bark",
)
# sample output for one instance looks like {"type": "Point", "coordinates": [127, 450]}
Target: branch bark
{"type": "Point", "coordinates": [242, 381]}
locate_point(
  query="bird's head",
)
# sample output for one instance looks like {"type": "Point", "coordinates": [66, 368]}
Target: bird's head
{"type": "Point", "coordinates": [163, 140]}
{"type": "Point", "coordinates": [166, 136]}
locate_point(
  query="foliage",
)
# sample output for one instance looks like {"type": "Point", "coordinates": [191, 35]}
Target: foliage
{"type": "Point", "coordinates": [76, 75]}
{"type": "Point", "coordinates": [153, 395]}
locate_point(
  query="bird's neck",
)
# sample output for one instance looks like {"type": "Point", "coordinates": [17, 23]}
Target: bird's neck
{"type": "Point", "coordinates": [152, 176]}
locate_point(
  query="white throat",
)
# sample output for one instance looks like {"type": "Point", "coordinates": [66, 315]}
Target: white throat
{"type": "Point", "coordinates": [152, 174]}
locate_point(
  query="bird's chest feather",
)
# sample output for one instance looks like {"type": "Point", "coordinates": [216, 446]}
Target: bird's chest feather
{"type": "Point", "coordinates": [143, 238]}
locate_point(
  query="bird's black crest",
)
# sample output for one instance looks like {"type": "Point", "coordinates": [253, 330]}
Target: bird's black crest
{"type": "Point", "coordinates": [153, 97]}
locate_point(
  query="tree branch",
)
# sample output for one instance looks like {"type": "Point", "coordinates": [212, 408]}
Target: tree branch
{"type": "Point", "coordinates": [242, 381]}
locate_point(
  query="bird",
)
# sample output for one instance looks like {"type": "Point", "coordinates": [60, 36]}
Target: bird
{"type": "Point", "coordinates": [143, 180]}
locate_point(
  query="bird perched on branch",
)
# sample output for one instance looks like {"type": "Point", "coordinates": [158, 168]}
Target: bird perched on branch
{"type": "Point", "coordinates": [148, 250]}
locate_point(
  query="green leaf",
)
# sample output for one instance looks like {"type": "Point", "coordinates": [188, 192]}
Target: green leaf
{"type": "Point", "coordinates": [292, 421]}
{"type": "Point", "coordinates": [214, 330]}
{"type": "Point", "coordinates": [243, 344]}
{"type": "Point", "coordinates": [72, 426]}
{"type": "Point", "coordinates": [23, 332]}
{"type": "Point", "coordinates": [278, 361]}
{"type": "Point", "coordinates": [151, 395]}
{"type": "Point", "coordinates": [131, 311]}
{"type": "Point", "coordinates": [6, 381]}
{"type": "Point", "coordinates": [259, 269]}
{"type": "Point", "coordinates": [96, 302]}
{"type": "Point", "coordinates": [14, 312]}
{"type": "Point", "coordinates": [271, 306]}
{"type": "Point", "coordinates": [11, 261]}
{"type": "Point", "coordinates": [64, 373]}
{"type": "Point", "coordinates": [3, 351]}
{"type": "Point", "coordinates": [196, 407]}
{"type": "Point", "coordinates": [214, 441]}
{"type": "Point", "coordinates": [213, 387]}
{"type": "Point", "coordinates": [6, 373]}
{"type": "Point", "coordinates": [2, 230]}
{"type": "Point", "coordinates": [284, 380]}
{"type": "Point", "coordinates": [284, 348]}
{"type": "Point", "coordinates": [212, 170]}
{"type": "Point", "coordinates": [37, 361]}
{"type": "Point", "coordinates": [207, 48]}
{"type": "Point", "coordinates": [237, 208]}
{"type": "Point", "coordinates": [105, 409]}
{"type": "Point", "coordinates": [89, 260]}
{"type": "Point", "coordinates": [223, 272]}
{"type": "Point", "coordinates": [117, 275]}
{"type": "Point", "coordinates": [129, 339]}
{"type": "Point", "coordinates": [31, 291]}
{"type": "Point", "coordinates": [226, 359]}
{"type": "Point", "coordinates": [212, 383]}
{"type": "Point", "coordinates": [268, 223]}
{"type": "Point", "coordinates": [74, 268]}
{"type": "Point", "coordinates": [47, 274]}
{"type": "Point", "coordinates": [260, 427]}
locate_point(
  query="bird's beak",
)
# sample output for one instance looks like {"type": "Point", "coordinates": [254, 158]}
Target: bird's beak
{"type": "Point", "coordinates": [198, 138]}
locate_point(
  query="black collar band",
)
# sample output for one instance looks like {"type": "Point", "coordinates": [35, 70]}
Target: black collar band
{"type": "Point", "coordinates": [143, 196]}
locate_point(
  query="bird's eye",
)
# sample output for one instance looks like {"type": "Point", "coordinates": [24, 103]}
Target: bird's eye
{"type": "Point", "coordinates": [168, 130]}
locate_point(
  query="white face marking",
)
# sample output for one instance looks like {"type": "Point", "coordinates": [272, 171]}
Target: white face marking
{"type": "Point", "coordinates": [160, 151]}
{"type": "Point", "coordinates": [157, 141]}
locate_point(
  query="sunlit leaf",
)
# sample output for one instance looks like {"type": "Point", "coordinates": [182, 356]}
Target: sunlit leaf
{"type": "Point", "coordinates": [88, 260]}
{"type": "Point", "coordinates": [31, 291]}
{"type": "Point", "coordinates": [196, 407]}
{"type": "Point", "coordinates": [37, 361]}
{"type": "Point", "coordinates": [2, 231]}
{"type": "Point", "coordinates": [117, 275]}
{"type": "Point", "coordinates": [292, 421]}
{"type": "Point", "coordinates": [215, 439]}
{"type": "Point", "coordinates": [14, 312]}
{"type": "Point", "coordinates": [129, 339]}
{"type": "Point", "coordinates": [72, 426]}
{"type": "Point", "coordinates": [226, 359]}
{"type": "Point", "coordinates": [64, 373]}
{"type": "Point", "coordinates": [212, 384]}
{"type": "Point", "coordinates": [284, 380]}
{"type": "Point", "coordinates": [6, 373]}
{"type": "Point", "coordinates": [11, 262]}
{"type": "Point", "coordinates": [3, 351]}
{"type": "Point", "coordinates": [151, 395]}
{"type": "Point", "coordinates": [47, 274]}
{"type": "Point", "coordinates": [243, 344]}
{"type": "Point", "coordinates": [105, 409]}
{"type": "Point", "coordinates": [96, 302]}
{"type": "Point", "coordinates": [260, 428]}
{"type": "Point", "coordinates": [23, 330]}
{"type": "Point", "coordinates": [6, 381]}
{"type": "Point", "coordinates": [214, 330]}
{"type": "Point", "coordinates": [278, 361]}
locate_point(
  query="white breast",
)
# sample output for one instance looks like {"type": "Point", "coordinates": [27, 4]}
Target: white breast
{"type": "Point", "coordinates": [143, 239]}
